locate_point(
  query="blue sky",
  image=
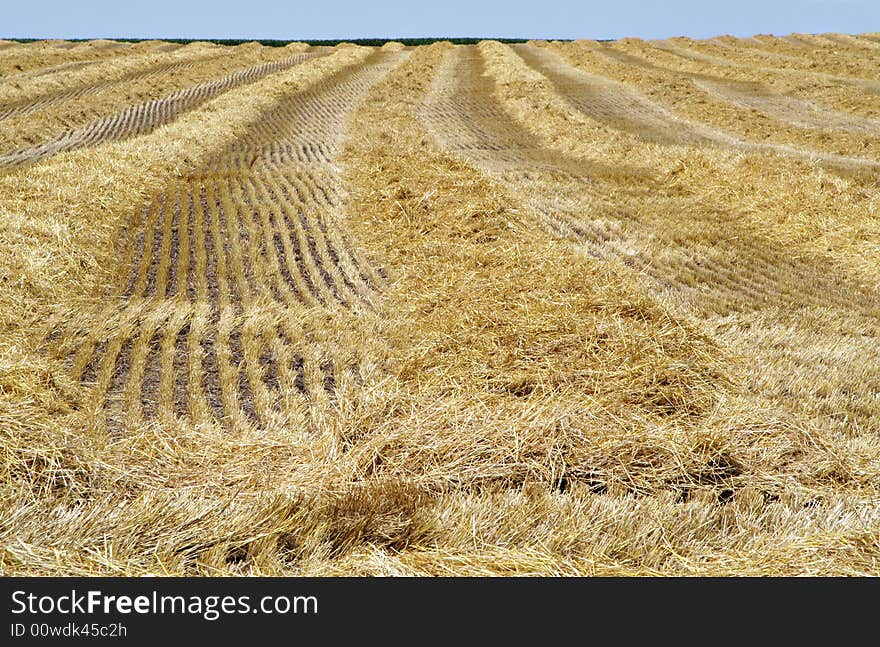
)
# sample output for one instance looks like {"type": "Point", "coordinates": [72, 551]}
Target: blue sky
{"type": "Point", "coordinates": [396, 18]}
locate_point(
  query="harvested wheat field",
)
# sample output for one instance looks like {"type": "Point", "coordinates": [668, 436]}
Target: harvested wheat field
{"type": "Point", "coordinates": [547, 308]}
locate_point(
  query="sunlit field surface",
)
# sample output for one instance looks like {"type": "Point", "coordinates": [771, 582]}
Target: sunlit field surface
{"type": "Point", "coordinates": [553, 308]}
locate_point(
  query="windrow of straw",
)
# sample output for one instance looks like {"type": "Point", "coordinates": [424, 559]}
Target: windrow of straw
{"type": "Point", "coordinates": [845, 93]}
{"type": "Point", "coordinates": [806, 56]}
{"type": "Point", "coordinates": [823, 322]}
{"type": "Point", "coordinates": [749, 110]}
{"type": "Point", "coordinates": [822, 213]}
{"type": "Point", "coordinates": [59, 258]}
{"type": "Point", "coordinates": [36, 92]}
{"type": "Point", "coordinates": [842, 91]}
{"type": "Point", "coordinates": [21, 60]}
{"type": "Point", "coordinates": [28, 130]}
{"type": "Point", "coordinates": [256, 480]}
{"type": "Point", "coordinates": [484, 298]}
{"type": "Point", "coordinates": [225, 265]}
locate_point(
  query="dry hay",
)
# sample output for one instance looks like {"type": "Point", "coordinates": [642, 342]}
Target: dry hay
{"type": "Point", "coordinates": [744, 113]}
{"type": "Point", "coordinates": [439, 311]}
{"type": "Point", "coordinates": [134, 107]}
{"type": "Point", "coordinates": [31, 94]}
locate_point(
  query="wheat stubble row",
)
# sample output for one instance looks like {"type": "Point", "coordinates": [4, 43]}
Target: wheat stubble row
{"type": "Point", "coordinates": [478, 310]}
{"type": "Point", "coordinates": [222, 266]}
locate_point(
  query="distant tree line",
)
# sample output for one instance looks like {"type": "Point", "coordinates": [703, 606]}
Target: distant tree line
{"type": "Point", "coordinates": [369, 42]}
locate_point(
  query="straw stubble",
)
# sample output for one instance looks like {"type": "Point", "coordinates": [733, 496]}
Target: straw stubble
{"type": "Point", "coordinates": [443, 310]}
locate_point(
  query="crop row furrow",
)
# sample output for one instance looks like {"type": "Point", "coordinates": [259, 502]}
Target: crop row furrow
{"type": "Point", "coordinates": [52, 98]}
{"type": "Point", "coordinates": [222, 265]}
{"type": "Point", "coordinates": [146, 117]}
{"type": "Point", "coordinates": [708, 277]}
